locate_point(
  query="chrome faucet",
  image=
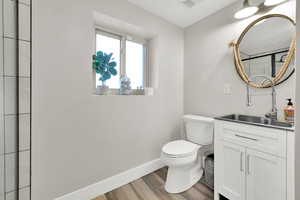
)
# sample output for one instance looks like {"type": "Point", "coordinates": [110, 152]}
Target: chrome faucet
{"type": "Point", "coordinates": [273, 114]}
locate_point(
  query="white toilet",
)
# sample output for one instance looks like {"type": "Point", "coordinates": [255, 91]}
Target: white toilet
{"type": "Point", "coordinates": [183, 157]}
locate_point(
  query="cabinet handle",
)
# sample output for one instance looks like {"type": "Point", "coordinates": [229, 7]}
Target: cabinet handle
{"type": "Point", "coordinates": [248, 138]}
{"type": "Point", "coordinates": [241, 162]}
{"type": "Point", "coordinates": [248, 164]}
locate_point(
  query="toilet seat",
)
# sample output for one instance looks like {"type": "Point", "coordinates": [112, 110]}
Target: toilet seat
{"type": "Point", "coordinates": [180, 148]}
{"type": "Point", "coordinates": [183, 157]}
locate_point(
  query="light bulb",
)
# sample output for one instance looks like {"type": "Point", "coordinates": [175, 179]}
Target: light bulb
{"type": "Point", "coordinates": [273, 2]}
{"type": "Point", "coordinates": [246, 12]}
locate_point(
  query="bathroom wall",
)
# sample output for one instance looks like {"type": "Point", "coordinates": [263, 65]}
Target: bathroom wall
{"type": "Point", "coordinates": [210, 71]}
{"type": "Point", "coordinates": [15, 108]}
{"type": "Point", "coordinates": [80, 138]}
{"type": "Point", "coordinates": [297, 145]}
{"type": "Point", "coordinates": [2, 143]}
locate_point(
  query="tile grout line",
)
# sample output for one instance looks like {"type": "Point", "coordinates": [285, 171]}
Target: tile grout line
{"type": "Point", "coordinates": [20, 188]}
{"type": "Point", "coordinates": [23, 3]}
{"type": "Point", "coordinates": [12, 76]}
{"type": "Point", "coordinates": [8, 115]}
{"type": "Point", "coordinates": [13, 38]}
{"type": "Point", "coordinates": [15, 152]}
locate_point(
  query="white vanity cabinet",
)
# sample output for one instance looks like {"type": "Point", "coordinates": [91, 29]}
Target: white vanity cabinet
{"type": "Point", "coordinates": [229, 170]}
{"type": "Point", "coordinates": [265, 176]}
{"type": "Point", "coordinates": [253, 163]}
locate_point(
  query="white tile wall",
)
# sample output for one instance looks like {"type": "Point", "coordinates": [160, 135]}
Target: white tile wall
{"type": "Point", "coordinates": [24, 95]}
{"type": "Point", "coordinates": [10, 134]}
{"type": "Point", "coordinates": [1, 133]}
{"type": "Point", "coordinates": [11, 196]}
{"type": "Point", "coordinates": [9, 13]}
{"type": "Point", "coordinates": [1, 176]}
{"type": "Point", "coordinates": [1, 116]}
{"type": "Point", "coordinates": [1, 53]}
{"type": "Point", "coordinates": [24, 194]}
{"type": "Point", "coordinates": [25, 1]}
{"type": "Point", "coordinates": [1, 20]}
{"type": "Point", "coordinates": [10, 95]}
{"type": "Point", "coordinates": [24, 132]}
{"type": "Point", "coordinates": [24, 60]}
{"type": "Point", "coordinates": [10, 62]}
{"type": "Point", "coordinates": [24, 169]}
{"type": "Point", "coordinates": [10, 170]}
{"type": "Point", "coordinates": [24, 22]}
{"type": "Point", "coordinates": [2, 193]}
{"type": "Point", "coordinates": [10, 19]}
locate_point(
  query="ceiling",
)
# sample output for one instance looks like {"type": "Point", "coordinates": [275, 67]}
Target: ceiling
{"type": "Point", "coordinates": [182, 14]}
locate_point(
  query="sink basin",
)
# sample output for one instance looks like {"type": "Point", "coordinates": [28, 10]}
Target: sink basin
{"type": "Point", "coordinates": [262, 121]}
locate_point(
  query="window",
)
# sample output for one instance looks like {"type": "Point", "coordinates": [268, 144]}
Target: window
{"type": "Point", "coordinates": [130, 56]}
{"type": "Point", "coordinates": [109, 43]}
{"type": "Point", "coordinates": [135, 63]}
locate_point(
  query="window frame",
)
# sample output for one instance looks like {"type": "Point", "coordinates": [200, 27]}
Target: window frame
{"type": "Point", "coordinates": [123, 38]}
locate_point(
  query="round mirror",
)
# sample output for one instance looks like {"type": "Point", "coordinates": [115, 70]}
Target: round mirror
{"type": "Point", "coordinates": [266, 48]}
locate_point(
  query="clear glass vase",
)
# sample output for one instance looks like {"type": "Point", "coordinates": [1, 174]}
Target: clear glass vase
{"type": "Point", "coordinates": [102, 89]}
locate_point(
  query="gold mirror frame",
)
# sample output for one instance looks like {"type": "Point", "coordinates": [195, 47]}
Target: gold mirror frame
{"type": "Point", "coordinates": [238, 60]}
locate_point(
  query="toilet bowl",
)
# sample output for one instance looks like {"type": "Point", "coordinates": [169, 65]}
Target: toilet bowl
{"type": "Point", "coordinates": [182, 156]}
{"type": "Point", "coordinates": [184, 165]}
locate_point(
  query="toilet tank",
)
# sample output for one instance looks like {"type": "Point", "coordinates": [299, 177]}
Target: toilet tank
{"type": "Point", "coordinates": [199, 130]}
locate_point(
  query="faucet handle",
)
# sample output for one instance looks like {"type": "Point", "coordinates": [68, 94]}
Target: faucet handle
{"type": "Point", "coordinates": [271, 115]}
{"type": "Point", "coordinates": [268, 115]}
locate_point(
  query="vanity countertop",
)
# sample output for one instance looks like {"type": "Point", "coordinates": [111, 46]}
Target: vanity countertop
{"type": "Point", "coordinates": [257, 121]}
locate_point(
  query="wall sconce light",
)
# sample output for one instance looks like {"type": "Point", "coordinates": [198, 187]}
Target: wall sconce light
{"type": "Point", "coordinates": [247, 10]}
{"type": "Point", "coordinates": [273, 2]}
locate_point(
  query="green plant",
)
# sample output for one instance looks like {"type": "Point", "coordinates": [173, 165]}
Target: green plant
{"type": "Point", "coordinates": [104, 65]}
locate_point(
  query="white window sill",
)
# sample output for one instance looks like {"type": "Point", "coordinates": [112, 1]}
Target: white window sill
{"type": "Point", "coordinates": [135, 92]}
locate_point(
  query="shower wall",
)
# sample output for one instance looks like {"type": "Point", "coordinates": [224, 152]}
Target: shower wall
{"type": "Point", "coordinates": [15, 101]}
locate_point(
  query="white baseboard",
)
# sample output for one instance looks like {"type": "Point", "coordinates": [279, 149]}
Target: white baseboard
{"type": "Point", "coordinates": [111, 183]}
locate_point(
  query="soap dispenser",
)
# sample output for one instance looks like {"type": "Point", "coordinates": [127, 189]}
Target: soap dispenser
{"type": "Point", "coordinates": [289, 112]}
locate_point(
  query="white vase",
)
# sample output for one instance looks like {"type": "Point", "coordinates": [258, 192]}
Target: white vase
{"type": "Point", "coordinates": [102, 89]}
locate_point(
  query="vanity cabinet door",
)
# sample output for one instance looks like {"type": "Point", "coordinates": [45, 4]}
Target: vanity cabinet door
{"type": "Point", "coordinates": [266, 176]}
{"type": "Point", "coordinates": [230, 170]}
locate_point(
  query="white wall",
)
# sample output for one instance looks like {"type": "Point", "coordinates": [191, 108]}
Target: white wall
{"type": "Point", "coordinates": [209, 66]}
{"type": "Point", "coordinates": [78, 138]}
{"type": "Point", "coordinates": [297, 160]}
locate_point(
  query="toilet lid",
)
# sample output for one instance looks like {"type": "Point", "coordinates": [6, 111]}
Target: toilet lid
{"type": "Point", "coordinates": [180, 148]}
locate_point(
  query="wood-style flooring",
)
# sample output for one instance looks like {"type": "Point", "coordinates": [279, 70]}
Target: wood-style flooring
{"type": "Point", "coordinates": [151, 187]}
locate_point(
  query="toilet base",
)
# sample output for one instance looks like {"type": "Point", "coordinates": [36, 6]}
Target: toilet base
{"type": "Point", "coordinates": [180, 179]}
